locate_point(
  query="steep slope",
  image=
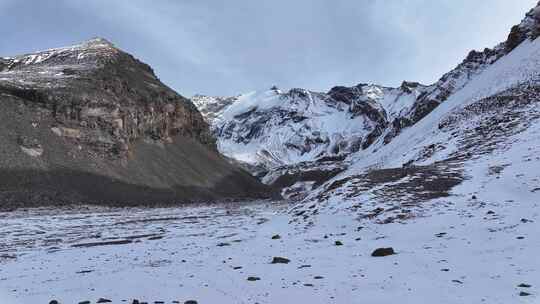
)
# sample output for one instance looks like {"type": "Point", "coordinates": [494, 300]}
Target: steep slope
{"type": "Point", "coordinates": [477, 147]}
{"type": "Point", "coordinates": [305, 138]}
{"type": "Point", "coordinates": [90, 123]}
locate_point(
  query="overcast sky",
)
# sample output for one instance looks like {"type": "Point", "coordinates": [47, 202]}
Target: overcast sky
{"type": "Point", "coordinates": [220, 47]}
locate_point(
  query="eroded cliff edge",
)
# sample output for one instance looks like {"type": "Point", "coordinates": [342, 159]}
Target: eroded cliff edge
{"type": "Point", "coordinates": [92, 124]}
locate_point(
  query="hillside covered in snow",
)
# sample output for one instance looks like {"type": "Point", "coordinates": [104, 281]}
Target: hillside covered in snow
{"type": "Point", "coordinates": [300, 140]}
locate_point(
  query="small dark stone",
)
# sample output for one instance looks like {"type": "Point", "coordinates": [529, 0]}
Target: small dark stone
{"type": "Point", "coordinates": [103, 300]}
{"type": "Point", "coordinates": [276, 237]}
{"type": "Point", "coordinates": [457, 281]}
{"type": "Point", "coordinates": [84, 302]}
{"type": "Point", "coordinates": [338, 243]}
{"type": "Point", "coordinates": [304, 266]}
{"type": "Point", "coordinates": [308, 285]}
{"type": "Point", "coordinates": [490, 212]}
{"type": "Point", "coordinates": [520, 237]}
{"type": "Point", "coordinates": [445, 269]}
{"type": "Point", "coordinates": [223, 244]}
{"type": "Point", "coordinates": [54, 302]}
{"type": "Point", "coordinates": [524, 294]}
{"type": "Point", "coordinates": [190, 302]}
{"type": "Point", "coordinates": [135, 302]}
{"type": "Point", "coordinates": [159, 302]}
{"type": "Point", "coordinates": [280, 260]}
{"type": "Point", "coordinates": [382, 252]}
{"type": "Point", "coordinates": [474, 197]}
{"type": "Point", "coordinates": [318, 277]}
{"type": "Point", "coordinates": [523, 285]}
{"type": "Point", "coordinates": [237, 267]}
{"type": "Point", "coordinates": [252, 279]}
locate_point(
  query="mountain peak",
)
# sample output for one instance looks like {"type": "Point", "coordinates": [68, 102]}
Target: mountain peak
{"type": "Point", "coordinates": [98, 42]}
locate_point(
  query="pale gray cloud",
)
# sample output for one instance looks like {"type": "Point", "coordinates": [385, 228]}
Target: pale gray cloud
{"type": "Point", "coordinates": [228, 47]}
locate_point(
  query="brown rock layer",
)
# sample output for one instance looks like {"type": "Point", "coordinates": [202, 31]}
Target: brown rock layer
{"type": "Point", "coordinates": [90, 123]}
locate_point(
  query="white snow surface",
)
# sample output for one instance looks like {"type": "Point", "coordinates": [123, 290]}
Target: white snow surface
{"type": "Point", "coordinates": [479, 258]}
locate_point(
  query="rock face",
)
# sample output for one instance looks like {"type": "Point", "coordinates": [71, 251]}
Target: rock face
{"type": "Point", "coordinates": [103, 97]}
{"type": "Point", "coordinates": [90, 123]}
{"type": "Point", "coordinates": [382, 252]}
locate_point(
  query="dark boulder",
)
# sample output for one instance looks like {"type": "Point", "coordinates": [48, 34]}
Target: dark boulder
{"type": "Point", "coordinates": [280, 260]}
{"type": "Point", "coordinates": [382, 252]}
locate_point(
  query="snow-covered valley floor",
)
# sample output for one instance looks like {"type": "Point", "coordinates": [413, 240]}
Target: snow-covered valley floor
{"type": "Point", "coordinates": [456, 253]}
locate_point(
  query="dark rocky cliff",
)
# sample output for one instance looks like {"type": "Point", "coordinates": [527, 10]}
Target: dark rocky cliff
{"type": "Point", "coordinates": [92, 124]}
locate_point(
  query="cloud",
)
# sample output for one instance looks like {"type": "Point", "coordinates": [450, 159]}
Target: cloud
{"type": "Point", "coordinates": [229, 47]}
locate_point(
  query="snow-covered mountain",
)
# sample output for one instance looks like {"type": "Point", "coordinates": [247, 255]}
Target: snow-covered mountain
{"type": "Point", "coordinates": [274, 128]}
{"type": "Point", "coordinates": [302, 138]}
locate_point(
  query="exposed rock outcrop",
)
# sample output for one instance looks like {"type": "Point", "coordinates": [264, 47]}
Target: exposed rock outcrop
{"type": "Point", "coordinates": [90, 123]}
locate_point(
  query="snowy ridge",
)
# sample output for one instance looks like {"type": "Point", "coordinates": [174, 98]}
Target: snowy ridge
{"type": "Point", "coordinates": [82, 50]}
{"type": "Point", "coordinates": [55, 67]}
